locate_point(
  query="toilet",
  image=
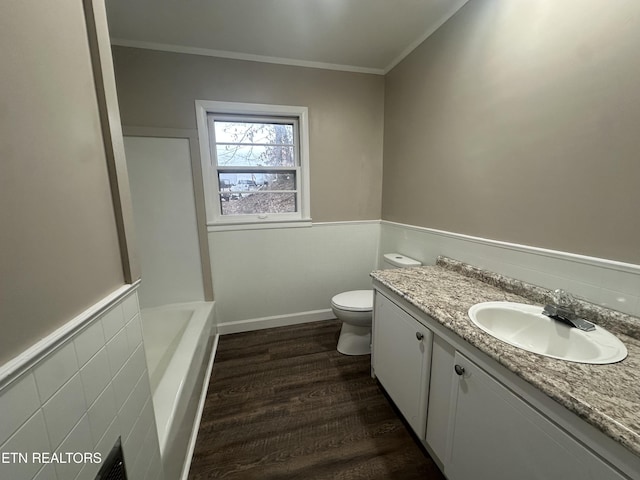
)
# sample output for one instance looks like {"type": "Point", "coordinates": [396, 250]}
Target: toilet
{"type": "Point", "coordinates": [355, 310]}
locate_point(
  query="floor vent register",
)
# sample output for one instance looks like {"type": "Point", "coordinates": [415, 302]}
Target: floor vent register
{"type": "Point", "coordinates": [113, 467]}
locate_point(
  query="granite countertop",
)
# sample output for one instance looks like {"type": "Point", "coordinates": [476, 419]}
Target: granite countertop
{"type": "Point", "coordinates": [606, 396]}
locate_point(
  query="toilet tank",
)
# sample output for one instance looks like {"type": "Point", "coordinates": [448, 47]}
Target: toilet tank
{"type": "Point", "coordinates": [396, 260]}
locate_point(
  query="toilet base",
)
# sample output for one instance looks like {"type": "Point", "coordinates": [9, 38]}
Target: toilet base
{"type": "Point", "coordinates": [354, 340]}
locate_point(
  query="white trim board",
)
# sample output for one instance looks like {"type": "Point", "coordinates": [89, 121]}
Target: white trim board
{"type": "Point", "coordinates": [340, 223]}
{"type": "Point", "coordinates": [207, 52]}
{"type": "Point", "coordinates": [305, 222]}
{"type": "Point", "coordinates": [29, 357]}
{"type": "Point", "coordinates": [596, 261]}
{"type": "Point", "coordinates": [252, 324]}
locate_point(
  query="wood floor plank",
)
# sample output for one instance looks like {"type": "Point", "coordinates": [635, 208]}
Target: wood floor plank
{"type": "Point", "coordinates": [284, 404]}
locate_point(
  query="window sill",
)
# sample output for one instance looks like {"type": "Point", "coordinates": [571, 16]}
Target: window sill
{"type": "Point", "coordinates": [223, 227]}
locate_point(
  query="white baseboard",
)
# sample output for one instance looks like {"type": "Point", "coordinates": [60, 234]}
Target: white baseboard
{"type": "Point", "coordinates": [275, 321]}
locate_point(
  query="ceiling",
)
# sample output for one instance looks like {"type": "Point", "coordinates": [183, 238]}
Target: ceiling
{"type": "Point", "coordinates": [368, 36]}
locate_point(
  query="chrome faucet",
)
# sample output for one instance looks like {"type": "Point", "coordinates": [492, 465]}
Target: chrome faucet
{"type": "Point", "coordinates": [561, 311]}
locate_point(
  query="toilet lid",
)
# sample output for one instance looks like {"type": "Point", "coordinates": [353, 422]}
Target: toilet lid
{"type": "Point", "coordinates": [355, 301]}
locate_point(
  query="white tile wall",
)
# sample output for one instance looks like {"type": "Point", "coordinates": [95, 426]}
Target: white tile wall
{"type": "Point", "coordinates": [610, 284]}
{"type": "Point", "coordinates": [21, 401]}
{"type": "Point", "coordinates": [63, 411]}
{"type": "Point", "coordinates": [55, 370]}
{"type": "Point", "coordinates": [89, 342]}
{"type": "Point", "coordinates": [48, 472]}
{"type": "Point", "coordinates": [30, 437]}
{"type": "Point", "coordinates": [96, 375]}
{"type": "Point", "coordinates": [101, 413]}
{"type": "Point", "coordinates": [81, 398]}
{"type": "Point", "coordinates": [76, 441]}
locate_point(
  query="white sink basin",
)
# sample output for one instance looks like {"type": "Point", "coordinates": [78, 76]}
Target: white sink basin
{"type": "Point", "coordinates": [524, 326]}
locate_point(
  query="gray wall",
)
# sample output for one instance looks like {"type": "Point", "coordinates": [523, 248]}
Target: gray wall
{"type": "Point", "coordinates": [59, 251]}
{"type": "Point", "coordinates": [519, 121]}
{"type": "Point", "coordinates": [158, 89]}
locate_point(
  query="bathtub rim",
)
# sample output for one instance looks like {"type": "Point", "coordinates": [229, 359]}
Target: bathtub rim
{"type": "Point", "coordinates": [170, 392]}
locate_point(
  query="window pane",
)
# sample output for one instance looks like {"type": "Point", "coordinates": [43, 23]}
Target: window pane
{"type": "Point", "coordinates": [255, 155]}
{"type": "Point", "coordinates": [254, 182]}
{"type": "Point", "coordinates": [249, 132]}
{"type": "Point", "coordinates": [258, 164]}
{"type": "Point", "coordinates": [257, 203]}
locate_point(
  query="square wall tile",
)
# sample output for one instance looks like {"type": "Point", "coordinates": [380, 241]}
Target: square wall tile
{"type": "Point", "coordinates": [78, 441]}
{"type": "Point", "coordinates": [18, 401]}
{"type": "Point", "coordinates": [30, 438]}
{"type": "Point", "coordinates": [88, 342]}
{"type": "Point", "coordinates": [113, 321]}
{"type": "Point", "coordinates": [132, 445]}
{"type": "Point", "coordinates": [155, 469]}
{"type": "Point", "coordinates": [130, 307]}
{"type": "Point", "coordinates": [126, 379]}
{"type": "Point", "coordinates": [108, 440]}
{"type": "Point", "coordinates": [55, 371]}
{"type": "Point", "coordinates": [141, 464]}
{"type": "Point", "coordinates": [132, 448]}
{"type": "Point", "coordinates": [118, 351]}
{"type": "Point", "coordinates": [132, 407]}
{"type": "Point", "coordinates": [47, 473]}
{"type": "Point", "coordinates": [96, 375]}
{"type": "Point", "coordinates": [102, 413]}
{"type": "Point", "coordinates": [89, 471]}
{"type": "Point", "coordinates": [64, 410]}
{"type": "Point", "coordinates": [134, 332]}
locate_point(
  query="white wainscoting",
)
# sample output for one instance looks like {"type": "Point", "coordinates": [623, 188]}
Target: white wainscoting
{"type": "Point", "coordinates": [275, 277]}
{"type": "Point", "coordinates": [79, 393]}
{"type": "Point", "coordinates": [612, 284]}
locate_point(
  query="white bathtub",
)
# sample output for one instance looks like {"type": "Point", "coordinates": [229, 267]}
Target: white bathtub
{"type": "Point", "coordinates": [178, 343]}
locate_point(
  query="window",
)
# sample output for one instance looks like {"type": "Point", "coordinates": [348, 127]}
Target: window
{"type": "Point", "coordinates": [255, 163]}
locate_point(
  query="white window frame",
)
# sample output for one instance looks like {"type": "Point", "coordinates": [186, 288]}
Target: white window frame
{"type": "Point", "coordinates": [215, 219]}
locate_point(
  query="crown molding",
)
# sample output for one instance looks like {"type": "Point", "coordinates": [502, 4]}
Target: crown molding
{"type": "Point", "coordinates": [163, 47]}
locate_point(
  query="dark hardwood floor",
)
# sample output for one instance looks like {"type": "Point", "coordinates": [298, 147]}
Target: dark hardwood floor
{"type": "Point", "coordinates": [284, 404]}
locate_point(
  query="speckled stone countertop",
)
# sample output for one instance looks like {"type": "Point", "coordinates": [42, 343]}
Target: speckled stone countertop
{"type": "Point", "coordinates": [606, 396]}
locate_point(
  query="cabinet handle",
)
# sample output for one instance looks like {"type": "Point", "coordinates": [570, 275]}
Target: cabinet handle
{"type": "Point", "coordinates": [419, 335]}
{"type": "Point", "coordinates": [459, 369]}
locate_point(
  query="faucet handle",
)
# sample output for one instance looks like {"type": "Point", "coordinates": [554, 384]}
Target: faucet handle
{"type": "Point", "coordinates": [562, 298]}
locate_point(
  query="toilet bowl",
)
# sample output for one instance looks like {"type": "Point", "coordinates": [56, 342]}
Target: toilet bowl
{"type": "Point", "coordinates": [355, 310]}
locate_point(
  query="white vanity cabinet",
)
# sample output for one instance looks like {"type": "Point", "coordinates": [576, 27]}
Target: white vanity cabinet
{"type": "Point", "coordinates": [474, 420]}
{"type": "Point", "coordinates": [401, 360]}
{"type": "Point", "coordinates": [495, 434]}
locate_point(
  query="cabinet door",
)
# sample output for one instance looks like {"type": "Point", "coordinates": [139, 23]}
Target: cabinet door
{"type": "Point", "coordinates": [442, 360]}
{"type": "Point", "coordinates": [495, 434]}
{"type": "Point", "coordinates": [402, 359]}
